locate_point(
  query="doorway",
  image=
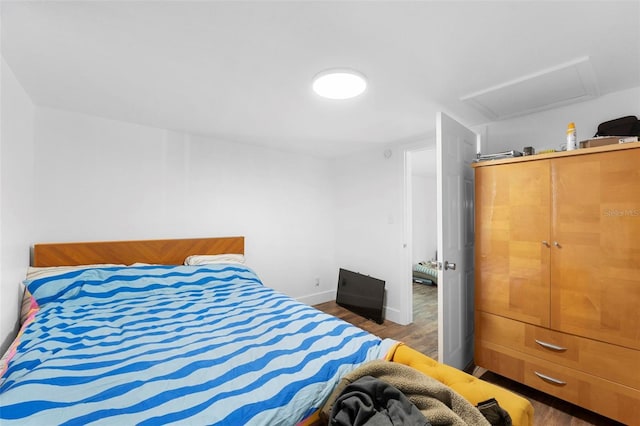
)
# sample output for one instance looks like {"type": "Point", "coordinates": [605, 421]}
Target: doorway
{"type": "Point", "coordinates": [423, 219]}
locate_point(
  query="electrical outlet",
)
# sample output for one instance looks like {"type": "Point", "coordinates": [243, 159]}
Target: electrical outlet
{"type": "Point", "coordinates": [317, 282]}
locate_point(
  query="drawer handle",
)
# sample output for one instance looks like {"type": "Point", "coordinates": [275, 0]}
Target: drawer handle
{"type": "Point", "coordinates": [551, 346]}
{"type": "Point", "coordinates": [550, 379]}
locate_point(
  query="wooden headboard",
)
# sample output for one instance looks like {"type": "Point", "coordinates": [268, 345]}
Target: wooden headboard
{"type": "Point", "coordinates": [165, 252]}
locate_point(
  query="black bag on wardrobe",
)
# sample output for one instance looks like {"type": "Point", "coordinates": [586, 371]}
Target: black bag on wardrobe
{"type": "Point", "coordinates": [623, 126]}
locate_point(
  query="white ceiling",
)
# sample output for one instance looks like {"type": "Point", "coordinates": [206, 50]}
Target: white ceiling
{"type": "Point", "coordinates": [242, 70]}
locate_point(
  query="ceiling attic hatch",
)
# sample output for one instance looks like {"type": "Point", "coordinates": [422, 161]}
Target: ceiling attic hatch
{"type": "Point", "coordinates": [563, 84]}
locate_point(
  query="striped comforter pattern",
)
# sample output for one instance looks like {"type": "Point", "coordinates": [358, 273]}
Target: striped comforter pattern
{"type": "Point", "coordinates": [426, 270]}
{"type": "Point", "coordinates": [175, 344]}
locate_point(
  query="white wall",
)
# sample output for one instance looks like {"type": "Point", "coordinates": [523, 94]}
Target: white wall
{"type": "Point", "coordinates": [369, 194]}
{"type": "Point", "coordinates": [100, 179]}
{"type": "Point", "coordinates": [16, 198]}
{"type": "Point", "coordinates": [424, 218]}
{"type": "Point", "coordinates": [546, 129]}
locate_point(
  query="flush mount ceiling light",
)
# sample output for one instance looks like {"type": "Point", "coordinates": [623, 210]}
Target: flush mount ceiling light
{"type": "Point", "coordinates": [339, 84]}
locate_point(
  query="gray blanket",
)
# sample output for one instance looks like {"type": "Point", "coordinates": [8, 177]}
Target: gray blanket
{"type": "Point", "coordinates": [440, 404]}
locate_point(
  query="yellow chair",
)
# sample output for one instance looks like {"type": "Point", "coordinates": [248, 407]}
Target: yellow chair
{"type": "Point", "coordinates": [471, 388]}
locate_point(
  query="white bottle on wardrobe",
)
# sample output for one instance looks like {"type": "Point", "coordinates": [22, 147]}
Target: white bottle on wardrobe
{"type": "Point", "coordinates": [572, 141]}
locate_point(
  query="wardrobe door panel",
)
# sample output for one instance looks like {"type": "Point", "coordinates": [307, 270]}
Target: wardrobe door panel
{"type": "Point", "coordinates": [595, 265]}
{"type": "Point", "coordinates": [512, 228]}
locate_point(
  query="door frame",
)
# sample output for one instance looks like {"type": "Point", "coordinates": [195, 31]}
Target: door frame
{"type": "Point", "coordinates": [406, 297]}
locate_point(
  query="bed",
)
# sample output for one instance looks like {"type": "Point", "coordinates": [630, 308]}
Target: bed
{"type": "Point", "coordinates": [426, 273]}
{"type": "Point", "coordinates": [138, 337]}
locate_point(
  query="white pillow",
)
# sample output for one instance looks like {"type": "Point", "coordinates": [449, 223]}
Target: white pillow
{"type": "Point", "coordinates": [208, 259]}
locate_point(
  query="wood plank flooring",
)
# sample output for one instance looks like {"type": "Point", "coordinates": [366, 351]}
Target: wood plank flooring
{"type": "Point", "coordinates": [422, 335]}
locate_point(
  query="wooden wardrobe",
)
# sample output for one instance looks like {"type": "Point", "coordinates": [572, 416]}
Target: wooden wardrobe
{"type": "Point", "coordinates": [557, 284]}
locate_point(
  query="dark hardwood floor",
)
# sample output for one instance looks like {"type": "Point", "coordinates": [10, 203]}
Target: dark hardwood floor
{"type": "Point", "coordinates": [422, 335]}
{"type": "Point", "coordinates": [425, 317]}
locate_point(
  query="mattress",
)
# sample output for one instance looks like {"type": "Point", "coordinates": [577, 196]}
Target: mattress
{"type": "Point", "coordinates": [160, 344]}
{"type": "Point", "coordinates": [425, 271]}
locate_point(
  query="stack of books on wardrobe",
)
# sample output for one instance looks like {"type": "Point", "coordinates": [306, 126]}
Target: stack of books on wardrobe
{"type": "Point", "coordinates": [499, 155]}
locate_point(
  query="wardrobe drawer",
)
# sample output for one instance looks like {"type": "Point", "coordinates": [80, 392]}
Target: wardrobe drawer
{"type": "Point", "coordinates": [602, 396]}
{"type": "Point", "coordinates": [613, 400]}
{"type": "Point", "coordinates": [596, 358]}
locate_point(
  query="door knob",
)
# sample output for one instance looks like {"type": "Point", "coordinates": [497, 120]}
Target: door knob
{"type": "Point", "coordinates": [557, 244]}
{"type": "Point", "coordinates": [449, 265]}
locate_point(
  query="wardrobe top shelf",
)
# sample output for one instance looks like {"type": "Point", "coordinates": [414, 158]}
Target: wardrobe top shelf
{"type": "Point", "coordinates": [581, 151]}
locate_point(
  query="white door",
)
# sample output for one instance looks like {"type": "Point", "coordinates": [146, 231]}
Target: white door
{"type": "Point", "coordinates": [455, 150]}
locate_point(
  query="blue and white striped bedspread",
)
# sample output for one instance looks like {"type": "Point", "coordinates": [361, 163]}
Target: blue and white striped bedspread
{"type": "Point", "coordinates": [175, 344]}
